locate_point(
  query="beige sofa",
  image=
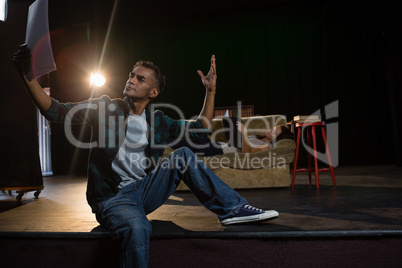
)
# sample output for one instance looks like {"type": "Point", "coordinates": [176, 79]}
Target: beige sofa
{"type": "Point", "coordinates": [268, 168]}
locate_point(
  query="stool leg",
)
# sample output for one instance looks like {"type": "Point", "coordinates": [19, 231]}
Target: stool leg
{"type": "Point", "coordinates": [315, 156]}
{"type": "Point", "coordinates": [309, 157]}
{"type": "Point", "coordinates": [296, 157]}
{"type": "Point", "coordinates": [324, 137]}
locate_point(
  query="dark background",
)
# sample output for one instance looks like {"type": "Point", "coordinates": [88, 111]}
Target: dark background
{"type": "Point", "coordinates": [284, 57]}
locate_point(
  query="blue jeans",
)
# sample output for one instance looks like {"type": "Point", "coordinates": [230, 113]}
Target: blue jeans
{"type": "Point", "coordinates": [125, 214]}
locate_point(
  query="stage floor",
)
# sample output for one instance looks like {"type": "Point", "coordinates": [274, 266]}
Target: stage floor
{"type": "Point", "coordinates": [366, 201]}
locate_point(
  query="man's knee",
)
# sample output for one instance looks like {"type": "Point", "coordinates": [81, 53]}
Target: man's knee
{"type": "Point", "coordinates": [137, 229]}
{"type": "Point", "coordinates": [184, 151]}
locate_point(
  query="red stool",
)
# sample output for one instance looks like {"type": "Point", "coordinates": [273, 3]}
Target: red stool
{"type": "Point", "coordinates": [310, 129]}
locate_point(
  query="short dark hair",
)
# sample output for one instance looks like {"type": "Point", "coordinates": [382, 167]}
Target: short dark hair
{"type": "Point", "coordinates": [160, 78]}
{"type": "Point", "coordinates": [285, 134]}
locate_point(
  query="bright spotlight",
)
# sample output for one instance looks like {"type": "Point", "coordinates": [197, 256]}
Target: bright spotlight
{"type": "Point", "coordinates": [97, 79]}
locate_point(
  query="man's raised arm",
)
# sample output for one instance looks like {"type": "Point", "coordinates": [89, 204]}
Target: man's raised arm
{"type": "Point", "coordinates": [22, 61]}
{"type": "Point", "coordinates": [209, 82]}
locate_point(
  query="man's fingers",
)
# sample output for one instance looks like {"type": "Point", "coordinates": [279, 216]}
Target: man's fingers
{"type": "Point", "coordinates": [23, 49]}
{"type": "Point", "coordinates": [23, 53]}
{"type": "Point", "coordinates": [22, 57]}
{"type": "Point", "coordinates": [201, 74]}
{"type": "Point", "coordinates": [19, 60]}
{"type": "Point", "coordinates": [213, 65]}
{"type": "Point", "coordinates": [212, 69]}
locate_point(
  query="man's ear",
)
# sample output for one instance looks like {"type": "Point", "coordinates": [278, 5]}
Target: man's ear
{"type": "Point", "coordinates": [154, 93]}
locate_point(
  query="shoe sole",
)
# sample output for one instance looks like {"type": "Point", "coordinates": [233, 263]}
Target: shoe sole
{"type": "Point", "coordinates": [268, 215]}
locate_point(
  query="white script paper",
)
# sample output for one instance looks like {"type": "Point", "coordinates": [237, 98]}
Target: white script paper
{"type": "Point", "coordinates": [37, 39]}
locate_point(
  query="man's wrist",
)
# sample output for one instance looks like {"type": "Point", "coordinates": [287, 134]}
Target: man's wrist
{"type": "Point", "coordinates": [211, 91]}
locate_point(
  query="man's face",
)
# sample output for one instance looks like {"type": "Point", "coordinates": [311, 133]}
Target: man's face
{"type": "Point", "coordinates": [141, 84]}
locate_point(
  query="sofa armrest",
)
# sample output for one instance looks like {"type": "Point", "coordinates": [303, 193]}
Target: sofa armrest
{"type": "Point", "coordinates": [285, 143]}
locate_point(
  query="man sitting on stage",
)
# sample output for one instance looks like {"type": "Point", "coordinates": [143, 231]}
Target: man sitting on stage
{"type": "Point", "coordinates": [121, 193]}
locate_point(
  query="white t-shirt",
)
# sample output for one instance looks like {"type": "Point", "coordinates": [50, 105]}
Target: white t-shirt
{"type": "Point", "coordinates": [130, 162]}
{"type": "Point", "coordinates": [254, 142]}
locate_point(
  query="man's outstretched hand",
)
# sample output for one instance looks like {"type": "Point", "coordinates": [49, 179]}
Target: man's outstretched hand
{"type": "Point", "coordinates": [209, 81]}
{"type": "Point", "coordinates": [23, 60]}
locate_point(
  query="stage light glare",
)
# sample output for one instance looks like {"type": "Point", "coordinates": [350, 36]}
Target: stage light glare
{"type": "Point", "coordinates": [97, 79]}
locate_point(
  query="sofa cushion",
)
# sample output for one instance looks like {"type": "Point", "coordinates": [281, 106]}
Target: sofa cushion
{"type": "Point", "coordinates": [263, 159]}
{"type": "Point", "coordinates": [285, 143]}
